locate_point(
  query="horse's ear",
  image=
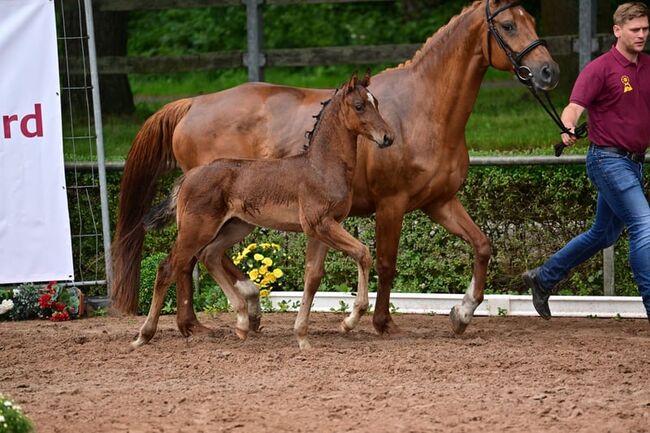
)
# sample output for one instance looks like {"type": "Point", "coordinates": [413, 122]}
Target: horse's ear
{"type": "Point", "coordinates": [352, 83]}
{"type": "Point", "coordinates": [365, 82]}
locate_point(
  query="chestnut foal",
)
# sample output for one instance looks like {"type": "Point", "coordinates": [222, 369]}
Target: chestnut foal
{"type": "Point", "coordinates": [217, 205]}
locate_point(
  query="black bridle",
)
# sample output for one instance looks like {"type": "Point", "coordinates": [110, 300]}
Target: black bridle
{"type": "Point", "coordinates": [524, 73]}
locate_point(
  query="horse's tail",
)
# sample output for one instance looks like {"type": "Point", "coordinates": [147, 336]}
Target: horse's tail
{"type": "Point", "coordinates": [161, 215]}
{"type": "Point", "coordinates": [151, 156]}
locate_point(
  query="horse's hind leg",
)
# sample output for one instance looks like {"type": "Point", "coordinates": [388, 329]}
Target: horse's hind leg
{"type": "Point", "coordinates": [249, 291]}
{"type": "Point", "coordinates": [214, 255]}
{"type": "Point", "coordinates": [314, 271]}
{"type": "Point", "coordinates": [335, 236]}
{"type": "Point", "coordinates": [164, 278]}
{"type": "Point", "coordinates": [455, 219]}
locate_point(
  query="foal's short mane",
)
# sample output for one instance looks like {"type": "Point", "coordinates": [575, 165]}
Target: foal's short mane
{"type": "Point", "coordinates": [437, 38]}
{"type": "Point", "coordinates": [310, 134]}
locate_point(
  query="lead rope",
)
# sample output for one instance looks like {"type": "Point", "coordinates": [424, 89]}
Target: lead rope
{"type": "Point", "coordinates": [579, 132]}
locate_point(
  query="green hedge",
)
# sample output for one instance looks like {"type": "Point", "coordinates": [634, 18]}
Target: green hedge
{"type": "Point", "coordinates": [527, 212]}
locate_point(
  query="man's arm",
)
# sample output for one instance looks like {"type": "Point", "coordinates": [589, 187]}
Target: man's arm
{"type": "Point", "coordinates": [570, 116]}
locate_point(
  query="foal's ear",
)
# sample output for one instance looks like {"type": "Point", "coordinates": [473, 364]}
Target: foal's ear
{"type": "Point", "coordinates": [365, 82]}
{"type": "Point", "coordinates": [349, 87]}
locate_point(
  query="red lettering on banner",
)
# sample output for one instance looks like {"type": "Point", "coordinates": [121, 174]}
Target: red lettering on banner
{"type": "Point", "coordinates": [31, 125]}
{"type": "Point", "coordinates": [6, 121]}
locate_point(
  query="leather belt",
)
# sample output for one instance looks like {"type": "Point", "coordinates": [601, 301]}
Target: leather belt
{"type": "Point", "coordinates": [636, 157]}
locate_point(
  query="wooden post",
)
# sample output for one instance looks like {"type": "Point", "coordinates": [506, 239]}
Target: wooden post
{"type": "Point", "coordinates": [254, 59]}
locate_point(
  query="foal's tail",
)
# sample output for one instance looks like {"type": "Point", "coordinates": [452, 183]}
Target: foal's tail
{"type": "Point", "coordinates": [151, 156]}
{"type": "Point", "coordinates": [162, 215]}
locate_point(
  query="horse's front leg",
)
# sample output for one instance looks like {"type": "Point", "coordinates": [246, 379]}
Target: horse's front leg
{"type": "Point", "coordinates": [388, 226]}
{"type": "Point", "coordinates": [452, 216]}
{"type": "Point", "coordinates": [314, 271]}
{"type": "Point", "coordinates": [333, 235]}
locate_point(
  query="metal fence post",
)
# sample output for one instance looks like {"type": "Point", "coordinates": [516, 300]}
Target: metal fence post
{"type": "Point", "coordinates": [101, 163]}
{"type": "Point", "coordinates": [254, 59]}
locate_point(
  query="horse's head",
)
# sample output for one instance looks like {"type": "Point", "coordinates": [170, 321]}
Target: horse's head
{"type": "Point", "coordinates": [360, 110]}
{"type": "Point", "coordinates": [512, 43]}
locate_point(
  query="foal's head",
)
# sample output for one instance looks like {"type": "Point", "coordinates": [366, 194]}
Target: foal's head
{"type": "Point", "coordinates": [360, 112]}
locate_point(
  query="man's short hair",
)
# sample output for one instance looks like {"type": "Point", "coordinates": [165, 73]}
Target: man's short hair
{"type": "Point", "coordinates": [630, 11]}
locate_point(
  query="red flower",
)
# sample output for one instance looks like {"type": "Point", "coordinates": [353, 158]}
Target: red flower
{"type": "Point", "coordinates": [45, 300]}
{"type": "Point", "coordinates": [60, 316]}
{"type": "Point", "coordinates": [50, 286]}
{"type": "Point", "coordinates": [58, 306]}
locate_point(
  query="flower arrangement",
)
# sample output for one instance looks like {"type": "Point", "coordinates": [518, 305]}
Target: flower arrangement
{"type": "Point", "coordinates": [260, 261]}
{"type": "Point", "coordinates": [6, 305]}
{"type": "Point", "coordinates": [20, 303]}
{"type": "Point", "coordinates": [59, 303]}
{"type": "Point", "coordinates": [12, 419]}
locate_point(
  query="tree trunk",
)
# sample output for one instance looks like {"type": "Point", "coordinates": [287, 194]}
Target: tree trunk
{"type": "Point", "coordinates": [111, 40]}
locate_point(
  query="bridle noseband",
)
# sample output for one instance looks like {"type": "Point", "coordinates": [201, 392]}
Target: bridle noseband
{"type": "Point", "coordinates": [524, 73]}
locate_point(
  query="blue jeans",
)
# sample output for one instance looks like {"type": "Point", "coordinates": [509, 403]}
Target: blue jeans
{"type": "Point", "coordinates": [621, 203]}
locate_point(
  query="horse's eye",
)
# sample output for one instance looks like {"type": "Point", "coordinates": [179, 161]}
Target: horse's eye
{"type": "Point", "coordinates": [508, 26]}
{"type": "Point", "coordinates": [359, 108]}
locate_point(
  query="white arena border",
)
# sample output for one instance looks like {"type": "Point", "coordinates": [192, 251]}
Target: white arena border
{"type": "Point", "coordinates": [492, 305]}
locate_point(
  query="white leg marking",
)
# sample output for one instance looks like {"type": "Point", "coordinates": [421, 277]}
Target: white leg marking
{"type": "Point", "coordinates": [247, 288]}
{"type": "Point", "coordinates": [469, 305]}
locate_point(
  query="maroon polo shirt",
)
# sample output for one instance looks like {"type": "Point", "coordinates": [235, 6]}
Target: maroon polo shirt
{"type": "Point", "coordinates": [616, 94]}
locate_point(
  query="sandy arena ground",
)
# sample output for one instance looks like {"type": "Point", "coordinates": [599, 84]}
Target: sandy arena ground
{"type": "Point", "coordinates": [505, 374]}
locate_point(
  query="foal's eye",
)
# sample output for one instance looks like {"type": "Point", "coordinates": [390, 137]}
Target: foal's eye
{"type": "Point", "coordinates": [508, 26]}
{"type": "Point", "coordinates": [359, 108]}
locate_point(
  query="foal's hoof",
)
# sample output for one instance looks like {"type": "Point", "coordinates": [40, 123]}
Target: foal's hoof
{"type": "Point", "coordinates": [303, 343]}
{"type": "Point", "coordinates": [141, 341]}
{"type": "Point", "coordinates": [344, 328]}
{"type": "Point", "coordinates": [241, 333]}
{"type": "Point", "coordinates": [457, 325]}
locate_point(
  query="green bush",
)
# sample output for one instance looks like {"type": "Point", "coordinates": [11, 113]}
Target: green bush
{"type": "Point", "coordinates": [12, 418]}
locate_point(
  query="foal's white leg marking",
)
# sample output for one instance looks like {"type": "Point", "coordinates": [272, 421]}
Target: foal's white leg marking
{"type": "Point", "coordinates": [469, 304]}
{"type": "Point", "coordinates": [251, 293]}
{"type": "Point", "coordinates": [360, 303]}
{"type": "Point", "coordinates": [247, 288]}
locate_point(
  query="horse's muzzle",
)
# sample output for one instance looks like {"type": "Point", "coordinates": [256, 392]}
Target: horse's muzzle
{"type": "Point", "coordinates": [387, 141]}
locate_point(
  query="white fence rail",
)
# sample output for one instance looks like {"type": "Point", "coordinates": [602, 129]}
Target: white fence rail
{"type": "Point", "coordinates": [493, 305]}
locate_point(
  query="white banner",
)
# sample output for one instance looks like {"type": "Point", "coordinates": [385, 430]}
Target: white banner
{"type": "Point", "coordinates": [35, 243]}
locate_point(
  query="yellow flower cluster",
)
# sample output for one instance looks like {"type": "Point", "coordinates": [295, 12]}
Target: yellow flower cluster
{"type": "Point", "coordinates": [257, 260]}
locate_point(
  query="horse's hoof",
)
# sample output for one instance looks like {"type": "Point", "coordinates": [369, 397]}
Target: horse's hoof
{"type": "Point", "coordinates": [139, 342]}
{"type": "Point", "coordinates": [194, 328]}
{"type": "Point", "coordinates": [303, 343]}
{"type": "Point", "coordinates": [387, 327]}
{"type": "Point", "coordinates": [344, 328]}
{"type": "Point", "coordinates": [457, 325]}
{"type": "Point", "coordinates": [241, 333]}
{"type": "Point", "coordinates": [254, 323]}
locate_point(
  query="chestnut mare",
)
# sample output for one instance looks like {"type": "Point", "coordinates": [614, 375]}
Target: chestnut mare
{"type": "Point", "coordinates": [427, 101]}
{"type": "Point", "coordinates": [217, 205]}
